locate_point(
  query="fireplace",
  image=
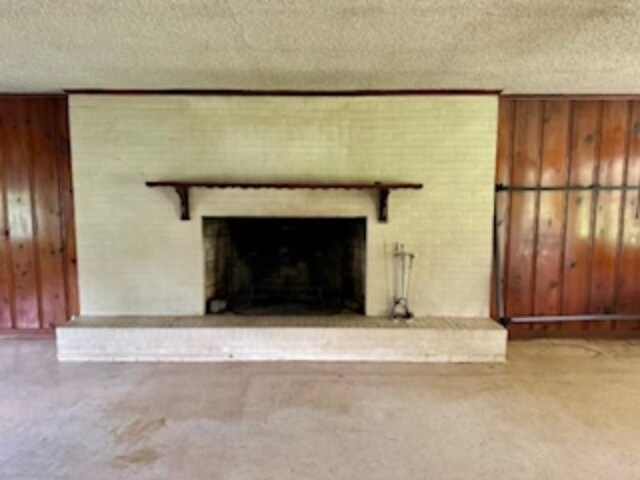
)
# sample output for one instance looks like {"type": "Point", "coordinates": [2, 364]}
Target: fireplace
{"type": "Point", "coordinates": [279, 266]}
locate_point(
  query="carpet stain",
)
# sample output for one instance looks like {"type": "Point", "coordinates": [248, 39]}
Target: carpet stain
{"type": "Point", "coordinates": [140, 457]}
{"type": "Point", "coordinates": [137, 430]}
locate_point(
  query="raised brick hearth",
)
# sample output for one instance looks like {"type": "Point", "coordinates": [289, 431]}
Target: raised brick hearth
{"type": "Point", "coordinates": [229, 338]}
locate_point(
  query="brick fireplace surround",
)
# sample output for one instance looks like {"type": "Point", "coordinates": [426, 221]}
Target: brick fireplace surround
{"type": "Point", "coordinates": [140, 265]}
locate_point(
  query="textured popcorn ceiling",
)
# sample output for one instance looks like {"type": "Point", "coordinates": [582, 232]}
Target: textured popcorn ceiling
{"type": "Point", "coordinates": [588, 46]}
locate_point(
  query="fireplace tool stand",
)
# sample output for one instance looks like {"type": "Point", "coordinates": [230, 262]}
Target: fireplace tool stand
{"type": "Point", "coordinates": [403, 262]}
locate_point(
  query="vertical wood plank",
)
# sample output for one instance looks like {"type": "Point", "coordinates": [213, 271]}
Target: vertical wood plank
{"type": "Point", "coordinates": [47, 213]}
{"type": "Point", "coordinates": [520, 252]}
{"type": "Point", "coordinates": [607, 215]}
{"type": "Point", "coordinates": [7, 307]}
{"type": "Point", "coordinates": [575, 290]}
{"type": "Point", "coordinates": [628, 298]}
{"type": "Point", "coordinates": [20, 217]}
{"type": "Point", "coordinates": [67, 225]}
{"type": "Point", "coordinates": [551, 217]}
{"type": "Point", "coordinates": [503, 174]}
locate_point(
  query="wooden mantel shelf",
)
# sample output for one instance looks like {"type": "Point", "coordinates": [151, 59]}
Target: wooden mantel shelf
{"type": "Point", "coordinates": [383, 189]}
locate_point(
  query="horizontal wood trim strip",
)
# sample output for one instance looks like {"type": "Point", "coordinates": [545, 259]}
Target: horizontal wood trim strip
{"type": "Point", "coordinates": [285, 93]}
{"type": "Point", "coordinates": [43, 96]}
{"type": "Point", "coordinates": [570, 96]}
{"type": "Point", "coordinates": [563, 188]}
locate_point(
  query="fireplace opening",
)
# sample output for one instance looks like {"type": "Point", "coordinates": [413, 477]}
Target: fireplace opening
{"type": "Point", "coordinates": [280, 266]}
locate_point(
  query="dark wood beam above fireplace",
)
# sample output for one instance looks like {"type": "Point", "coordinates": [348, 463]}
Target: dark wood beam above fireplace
{"type": "Point", "coordinates": [383, 189]}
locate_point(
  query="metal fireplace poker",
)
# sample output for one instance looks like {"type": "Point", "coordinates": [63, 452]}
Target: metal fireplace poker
{"type": "Point", "coordinates": [403, 266]}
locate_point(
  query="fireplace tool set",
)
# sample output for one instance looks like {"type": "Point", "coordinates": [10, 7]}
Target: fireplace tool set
{"type": "Point", "coordinates": [403, 266]}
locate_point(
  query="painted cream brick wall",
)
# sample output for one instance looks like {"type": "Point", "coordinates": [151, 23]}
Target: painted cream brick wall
{"type": "Point", "coordinates": [136, 257]}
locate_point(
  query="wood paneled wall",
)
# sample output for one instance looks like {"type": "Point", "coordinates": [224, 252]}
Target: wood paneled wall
{"type": "Point", "coordinates": [38, 279]}
{"type": "Point", "coordinates": [569, 252]}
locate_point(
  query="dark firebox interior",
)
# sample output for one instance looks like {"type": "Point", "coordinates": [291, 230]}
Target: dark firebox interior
{"type": "Point", "coordinates": [279, 266]}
